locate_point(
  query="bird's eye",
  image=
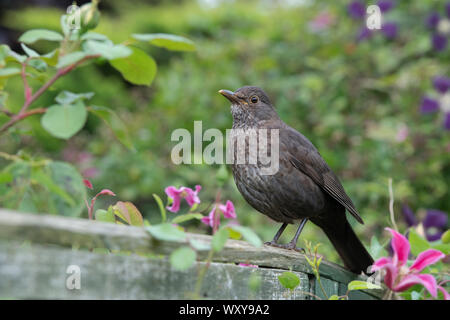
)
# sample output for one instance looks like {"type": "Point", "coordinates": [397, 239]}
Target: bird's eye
{"type": "Point", "coordinates": [254, 99]}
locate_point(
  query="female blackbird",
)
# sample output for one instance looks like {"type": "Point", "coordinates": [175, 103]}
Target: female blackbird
{"type": "Point", "coordinates": [303, 188]}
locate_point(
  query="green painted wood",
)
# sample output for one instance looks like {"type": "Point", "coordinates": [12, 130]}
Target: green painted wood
{"type": "Point", "coordinates": [40, 272]}
{"type": "Point", "coordinates": [47, 233]}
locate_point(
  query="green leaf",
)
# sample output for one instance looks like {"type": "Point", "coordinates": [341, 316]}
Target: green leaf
{"type": "Point", "coordinates": [362, 285]}
{"type": "Point", "coordinates": [418, 244]}
{"type": "Point", "coordinates": [162, 209]}
{"type": "Point", "coordinates": [4, 51]}
{"type": "Point", "coordinates": [51, 58]}
{"type": "Point", "coordinates": [199, 245]}
{"type": "Point", "coordinates": [442, 247]}
{"type": "Point", "coordinates": [289, 280]}
{"type": "Point", "coordinates": [117, 126]}
{"type": "Point", "coordinates": [333, 297]}
{"type": "Point", "coordinates": [70, 58]}
{"type": "Point", "coordinates": [187, 217]}
{"type": "Point", "coordinates": [64, 121]}
{"type": "Point", "coordinates": [38, 64]}
{"type": "Point", "coordinates": [67, 97]}
{"type": "Point", "coordinates": [106, 50]}
{"type": "Point", "coordinates": [168, 41]}
{"type": "Point", "coordinates": [94, 36]}
{"type": "Point", "coordinates": [183, 258]}
{"type": "Point", "coordinates": [65, 176]}
{"type": "Point", "coordinates": [6, 177]}
{"type": "Point", "coordinates": [32, 36]}
{"type": "Point", "coordinates": [128, 212]}
{"type": "Point", "coordinates": [9, 72]}
{"type": "Point", "coordinates": [138, 68]}
{"type": "Point", "coordinates": [28, 51]}
{"type": "Point", "coordinates": [166, 232]}
{"type": "Point", "coordinates": [105, 215]}
{"type": "Point", "coordinates": [16, 57]}
{"type": "Point", "coordinates": [45, 179]}
{"type": "Point", "coordinates": [219, 239]}
{"type": "Point", "coordinates": [248, 234]}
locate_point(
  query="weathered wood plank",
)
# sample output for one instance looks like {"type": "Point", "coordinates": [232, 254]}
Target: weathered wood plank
{"type": "Point", "coordinates": [37, 271]}
{"type": "Point", "coordinates": [69, 232]}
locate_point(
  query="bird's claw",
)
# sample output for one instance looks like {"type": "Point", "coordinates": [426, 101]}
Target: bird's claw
{"type": "Point", "coordinates": [287, 246]}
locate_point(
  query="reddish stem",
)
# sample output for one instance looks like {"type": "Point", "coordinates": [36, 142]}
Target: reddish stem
{"type": "Point", "coordinates": [27, 89]}
{"type": "Point", "coordinates": [29, 99]}
{"type": "Point", "coordinates": [216, 220]}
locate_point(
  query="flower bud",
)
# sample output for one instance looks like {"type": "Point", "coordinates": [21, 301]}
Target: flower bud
{"type": "Point", "coordinates": [90, 15]}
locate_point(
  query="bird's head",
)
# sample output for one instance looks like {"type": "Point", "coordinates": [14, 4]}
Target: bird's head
{"type": "Point", "coordinates": [250, 104]}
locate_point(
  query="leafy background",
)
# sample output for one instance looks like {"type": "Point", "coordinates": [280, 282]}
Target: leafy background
{"type": "Point", "coordinates": [357, 101]}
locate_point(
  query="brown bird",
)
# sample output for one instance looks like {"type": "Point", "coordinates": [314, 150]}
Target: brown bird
{"type": "Point", "coordinates": [304, 187]}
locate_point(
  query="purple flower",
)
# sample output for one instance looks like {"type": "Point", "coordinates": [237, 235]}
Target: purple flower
{"type": "Point", "coordinates": [389, 29]}
{"type": "Point", "coordinates": [447, 121]}
{"type": "Point", "coordinates": [435, 222]}
{"type": "Point", "coordinates": [409, 216]}
{"type": "Point", "coordinates": [432, 20]}
{"type": "Point", "coordinates": [431, 105]}
{"type": "Point", "coordinates": [363, 34]}
{"type": "Point", "coordinates": [441, 83]}
{"type": "Point", "coordinates": [356, 9]}
{"type": "Point", "coordinates": [439, 36]}
{"type": "Point", "coordinates": [438, 41]}
{"type": "Point", "coordinates": [385, 5]}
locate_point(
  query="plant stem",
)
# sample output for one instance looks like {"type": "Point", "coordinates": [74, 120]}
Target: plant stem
{"type": "Point", "coordinates": [216, 221]}
{"type": "Point", "coordinates": [202, 273]}
{"type": "Point", "coordinates": [391, 205]}
{"type": "Point", "coordinates": [29, 99]}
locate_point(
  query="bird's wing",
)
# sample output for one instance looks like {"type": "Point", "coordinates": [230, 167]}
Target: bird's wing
{"type": "Point", "coordinates": [305, 157]}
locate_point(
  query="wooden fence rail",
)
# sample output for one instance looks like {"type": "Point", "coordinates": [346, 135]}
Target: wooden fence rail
{"type": "Point", "coordinates": [38, 254]}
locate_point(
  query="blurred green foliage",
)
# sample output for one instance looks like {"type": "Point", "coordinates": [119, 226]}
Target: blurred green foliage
{"type": "Point", "coordinates": [358, 102]}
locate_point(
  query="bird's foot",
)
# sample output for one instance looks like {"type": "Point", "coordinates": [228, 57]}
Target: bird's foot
{"type": "Point", "coordinates": [288, 246]}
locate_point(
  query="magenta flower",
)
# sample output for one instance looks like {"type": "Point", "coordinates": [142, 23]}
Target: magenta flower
{"type": "Point", "coordinates": [227, 210]}
{"type": "Point", "coordinates": [88, 184]}
{"type": "Point", "coordinates": [398, 276]}
{"type": "Point", "coordinates": [176, 195]}
{"type": "Point", "coordinates": [248, 265]}
{"type": "Point", "coordinates": [322, 21]}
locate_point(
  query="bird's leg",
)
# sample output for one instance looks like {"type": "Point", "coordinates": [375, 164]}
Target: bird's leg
{"type": "Point", "coordinates": [274, 241]}
{"type": "Point", "coordinates": [292, 245]}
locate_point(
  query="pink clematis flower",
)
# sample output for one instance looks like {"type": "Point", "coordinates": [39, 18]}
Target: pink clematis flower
{"type": "Point", "coordinates": [398, 276]}
{"type": "Point", "coordinates": [248, 265]}
{"type": "Point", "coordinates": [228, 212]}
{"type": "Point", "coordinates": [176, 195]}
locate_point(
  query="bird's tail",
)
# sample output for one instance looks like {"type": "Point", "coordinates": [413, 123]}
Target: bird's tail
{"type": "Point", "coordinates": [350, 249]}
